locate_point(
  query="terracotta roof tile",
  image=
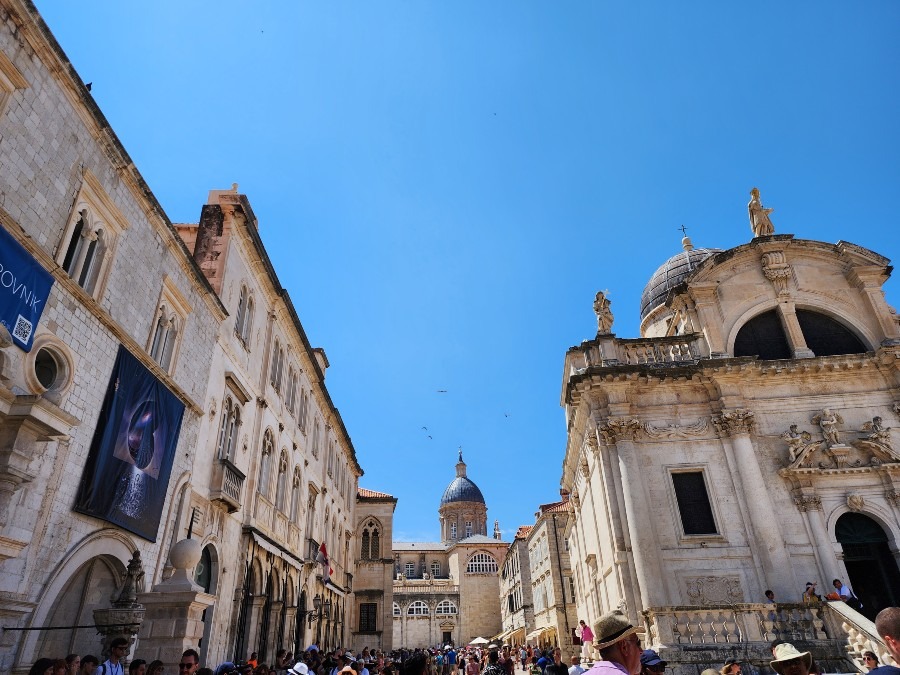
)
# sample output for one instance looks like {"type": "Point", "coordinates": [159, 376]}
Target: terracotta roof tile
{"type": "Point", "coordinates": [363, 492]}
{"type": "Point", "coordinates": [556, 507]}
{"type": "Point", "coordinates": [523, 531]}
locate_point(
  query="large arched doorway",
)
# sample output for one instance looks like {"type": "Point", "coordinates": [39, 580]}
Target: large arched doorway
{"type": "Point", "coordinates": [874, 575]}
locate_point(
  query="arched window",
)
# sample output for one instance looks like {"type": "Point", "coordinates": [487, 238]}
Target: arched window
{"type": "Point", "coordinates": [85, 251]}
{"type": "Point", "coordinates": [291, 397]}
{"type": "Point", "coordinates": [417, 608]}
{"type": "Point", "coordinates": [371, 544]}
{"type": "Point", "coordinates": [763, 336]}
{"type": "Point", "coordinates": [165, 334]}
{"type": "Point", "coordinates": [453, 530]}
{"type": "Point", "coordinates": [295, 495]}
{"type": "Point", "coordinates": [481, 563]}
{"type": "Point", "coordinates": [435, 569]}
{"type": "Point", "coordinates": [277, 364]}
{"type": "Point", "coordinates": [228, 429]}
{"type": "Point", "coordinates": [248, 323]}
{"type": "Point", "coordinates": [315, 441]}
{"type": "Point", "coordinates": [265, 466]}
{"type": "Point", "coordinates": [303, 412]}
{"type": "Point", "coordinates": [826, 337]}
{"type": "Point", "coordinates": [396, 609]}
{"type": "Point", "coordinates": [281, 489]}
{"type": "Point", "coordinates": [446, 607]}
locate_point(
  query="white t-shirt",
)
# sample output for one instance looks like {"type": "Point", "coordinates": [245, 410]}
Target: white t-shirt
{"type": "Point", "coordinates": [576, 669]}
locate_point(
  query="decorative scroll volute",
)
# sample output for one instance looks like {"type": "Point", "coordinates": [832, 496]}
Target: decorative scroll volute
{"type": "Point", "coordinates": [732, 422]}
{"type": "Point", "coordinates": [777, 270]}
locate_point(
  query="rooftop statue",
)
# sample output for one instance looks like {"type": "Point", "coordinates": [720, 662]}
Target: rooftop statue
{"type": "Point", "coordinates": [759, 216]}
{"type": "Point", "coordinates": [604, 314]}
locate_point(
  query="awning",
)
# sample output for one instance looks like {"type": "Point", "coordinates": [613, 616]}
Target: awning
{"type": "Point", "coordinates": [533, 634]}
{"type": "Point", "coordinates": [275, 550]}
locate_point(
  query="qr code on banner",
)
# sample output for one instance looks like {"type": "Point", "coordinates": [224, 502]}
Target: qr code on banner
{"type": "Point", "coordinates": [22, 331]}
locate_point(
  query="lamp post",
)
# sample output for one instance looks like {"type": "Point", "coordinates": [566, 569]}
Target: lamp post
{"type": "Point", "coordinates": [321, 610]}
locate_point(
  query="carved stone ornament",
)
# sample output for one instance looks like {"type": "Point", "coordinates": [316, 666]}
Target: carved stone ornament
{"type": "Point", "coordinates": [732, 422]}
{"type": "Point", "coordinates": [760, 222]}
{"type": "Point", "coordinates": [893, 496]}
{"type": "Point", "coordinates": [798, 443]}
{"type": "Point", "coordinates": [897, 409]}
{"type": "Point", "coordinates": [808, 502]}
{"type": "Point", "coordinates": [698, 428]}
{"type": "Point", "coordinates": [776, 270]}
{"type": "Point", "coordinates": [856, 502]}
{"type": "Point", "coordinates": [619, 428]}
{"type": "Point", "coordinates": [584, 468]}
{"type": "Point", "coordinates": [713, 590]}
{"type": "Point", "coordinates": [877, 432]}
{"type": "Point", "coordinates": [828, 421]}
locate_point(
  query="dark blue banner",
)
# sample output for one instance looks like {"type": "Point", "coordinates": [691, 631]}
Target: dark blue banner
{"type": "Point", "coordinates": [127, 472]}
{"type": "Point", "coordinates": [24, 289]}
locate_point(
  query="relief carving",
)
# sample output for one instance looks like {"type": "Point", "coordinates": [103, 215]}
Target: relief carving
{"type": "Point", "coordinates": [698, 428]}
{"type": "Point", "coordinates": [856, 502]}
{"type": "Point", "coordinates": [619, 428]}
{"type": "Point", "coordinates": [828, 423]}
{"type": "Point", "coordinates": [808, 502]}
{"type": "Point", "coordinates": [712, 590]}
{"type": "Point", "coordinates": [731, 422]}
{"type": "Point", "coordinates": [777, 270]}
{"type": "Point", "coordinates": [798, 444]}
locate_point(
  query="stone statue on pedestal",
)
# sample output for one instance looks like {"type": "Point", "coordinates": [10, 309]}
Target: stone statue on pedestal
{"type": "Point", "coordinates": [603, 312]}
{"type": "Point", "coordinates": [828, 422]}
{"type": "Point", "coordinates": [759, 216]}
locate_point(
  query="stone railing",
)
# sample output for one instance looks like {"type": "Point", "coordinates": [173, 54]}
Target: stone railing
{"type": "Point", "coordinates": [661, 351]}
{"type": "Point", "coordinates": [424, 588]}
{"type": "Point", "coordinates": [227, 485]}
{"type": "Point", "coordinates": [860, 634]}
{"type": "Point", "coordinates": [733, 624]}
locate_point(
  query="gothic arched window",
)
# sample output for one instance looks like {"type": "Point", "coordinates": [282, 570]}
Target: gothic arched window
{"type": "Point", "coordinates": [295, 495]}
{"type": "Point", "coordinates": [371, 544]}
{"type": "Point", "coordinates": [228, 429]}
{"type": "Point", "coordinates": [265, 465]}
{"type": "Point", "coordinates": [281, 487]}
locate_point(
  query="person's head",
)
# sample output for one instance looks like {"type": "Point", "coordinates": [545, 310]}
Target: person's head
{"type": "Point", "coordinates": [774, 644]}
{"type": "Point", "coordinates": [88, 663]}
{"type": "Point", "coordinates": [837, 583]}
{"type": "Point", "coordinates": [262, 669]}
{"type": "Point", "coordinates": [493, 657]}
{"type": "Point", "coordinates": [118, 648]}
{"type": "Point", "coordinates": [42, 667]}
{"type": "Point", "coordinates": [617, 640]}
{"type": "Point", "coordinates": [651, 663]}
{"type": "Point", "coordinates": [73, 663]}
{"type": "Point", "coordinates": [732, 667]}
{"type": "Point", "coordinates": [871, 659]}
{"type": "Point", "coordinates": [190, 662]}
{"type": "Point", "coordinates": [575, 659]}
{"type": "Point", "coordinates": [582, 622]}
{"type": "Point", "coordinates": [789, 661]}
{"type": "Point", "coordinates": [60, 667]}
{"type": "Point", "coordinates": [156, 668]}
{"type": "Point", "coordinates": [254, 656]}
{"type": "Point", "coordinates": [137, 667]}
{"type": "Point", "coordinates": [415, 664]}
{"type": "Point", "coordinates": [770, 595]}
{"type": "Point", "coordinates": [887, 623]}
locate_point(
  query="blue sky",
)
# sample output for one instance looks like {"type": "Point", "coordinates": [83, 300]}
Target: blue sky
{"type": "Point", "coordinates": [444, 186]}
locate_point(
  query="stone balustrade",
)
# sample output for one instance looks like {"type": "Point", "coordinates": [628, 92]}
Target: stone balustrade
{"type": "Point", "coordinates": [733, 624]}
{"type": "Point", "coordinates": [860, 633]}
{"type": "Point", "coordinates": [425, 588]}
{"type": "Point", "coordinates": [659, 352]}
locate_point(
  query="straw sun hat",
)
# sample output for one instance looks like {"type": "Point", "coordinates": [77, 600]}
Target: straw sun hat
{"type": "Point", "coordinates": [788, 652]}
{"type": "Point", "coordinates": [612, 627]}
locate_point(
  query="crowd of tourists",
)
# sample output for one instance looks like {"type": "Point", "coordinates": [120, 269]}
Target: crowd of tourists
{"type": "Point", "coordinates": [613, 638]}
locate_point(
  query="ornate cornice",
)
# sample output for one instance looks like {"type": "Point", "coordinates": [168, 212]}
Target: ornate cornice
{"type": "Point", "coordinates": [734, 422]}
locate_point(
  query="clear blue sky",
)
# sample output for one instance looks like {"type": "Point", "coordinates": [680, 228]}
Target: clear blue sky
{"type": "Point", "coordinates": [444, 186]}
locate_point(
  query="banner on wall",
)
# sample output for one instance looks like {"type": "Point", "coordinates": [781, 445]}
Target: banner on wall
{"type": "Point", "coordinates": [127, 472]}
{"type": "Point", "coordinates": [24, 289]}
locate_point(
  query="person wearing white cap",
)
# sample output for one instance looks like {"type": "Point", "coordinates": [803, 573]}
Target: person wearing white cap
{"type": "Point", "coordinates": [619, 645]}
{"type": "Point", "coordinates": [299, 668]}
{"type": "Point", "coordinates": [789, 661]}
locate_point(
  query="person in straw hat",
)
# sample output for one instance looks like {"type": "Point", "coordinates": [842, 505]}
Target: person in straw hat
{"type": "Point", "coordinates": [619, 646]}
{"type": "Point", "coordinates": [789, 661]}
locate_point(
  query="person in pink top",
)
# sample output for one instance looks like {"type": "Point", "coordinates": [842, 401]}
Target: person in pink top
{"type": "Point", "coordinates": [587, 637]}
{"type": "Point", "coordinates": [619, 646]}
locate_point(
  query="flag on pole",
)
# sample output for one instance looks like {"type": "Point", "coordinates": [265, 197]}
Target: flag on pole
{"type": "Point", "coordinates": [322, 559]}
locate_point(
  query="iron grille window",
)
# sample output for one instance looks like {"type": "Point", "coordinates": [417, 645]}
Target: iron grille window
{"type": "Point", "coordinates": [693, 503]}
{"type": "Point", "coordinates": [367, 613]}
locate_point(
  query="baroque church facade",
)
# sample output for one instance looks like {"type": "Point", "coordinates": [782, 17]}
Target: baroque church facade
{"type": "Point", "coordinates": [741, 444]}
{"type": "Point", "coordinates": [433, 581]}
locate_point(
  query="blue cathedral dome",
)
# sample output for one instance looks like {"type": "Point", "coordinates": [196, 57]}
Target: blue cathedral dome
{"type": "Point", "coordinates": [676, 269]}
{"type": "Point", "coordinates": [461, 488]}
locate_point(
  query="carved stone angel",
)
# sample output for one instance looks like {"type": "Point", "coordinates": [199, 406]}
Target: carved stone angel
{"type": "Point", "coordinates": [828, 422]}
{"type": "Point", "coordinates": [878, 432]}
{"type": "Point", "coordinates": [796, 440]}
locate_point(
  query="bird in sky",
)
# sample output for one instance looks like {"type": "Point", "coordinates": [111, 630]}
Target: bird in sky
{"type": "Point", "coordinates": [430, 438]}
{"type": "Point", "coordinates": [442, 391]}
{"type": "Point", "coordinates": [506, 414]}
{"type": "Point", "coordinates": [425, 428]}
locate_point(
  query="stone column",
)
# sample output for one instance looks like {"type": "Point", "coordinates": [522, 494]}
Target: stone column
{"type": "Point", "coordinates": [706, 302]}
{"type": "Point", "coordinates": [734, 426]}
{"type": "Point", "coordinates": [173, 619]}
{"type": "Point", "coordinates": [788, 314]}
{"type": "Point", "coordinates": [644, 543]}
{"type": "Point", "coordinates": [869, 281]}
{"type": "Point", "coordinates": [811, 507]}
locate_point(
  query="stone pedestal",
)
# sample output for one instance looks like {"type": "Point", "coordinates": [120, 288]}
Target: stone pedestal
{"type": "Point", "coordinates": [173, 610]}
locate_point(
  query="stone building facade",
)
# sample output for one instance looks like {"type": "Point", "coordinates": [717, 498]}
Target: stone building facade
{"type": "Point", "coordinates": [552, 587]}
{"type": "Point", "coordinates": [516, 604]}
{"type": "Point", "coordinates": [434, 580]}
{"type": "Point", "coordinates": [741, 444]}
{"type": "Point", "coordinates": [263, 472]}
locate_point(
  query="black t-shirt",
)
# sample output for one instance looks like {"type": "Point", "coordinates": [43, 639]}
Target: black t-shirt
{"type": "Point", "coordinates": [561, 669]}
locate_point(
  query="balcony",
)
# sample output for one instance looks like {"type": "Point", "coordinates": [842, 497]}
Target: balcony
{"type": "Point", "coordinates": [227, 485]}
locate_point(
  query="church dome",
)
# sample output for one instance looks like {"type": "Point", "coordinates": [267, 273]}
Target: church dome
{"type": "Point", "coordinates": [462, 489]}
{"type": "Point", "coordinates": [676, 269]}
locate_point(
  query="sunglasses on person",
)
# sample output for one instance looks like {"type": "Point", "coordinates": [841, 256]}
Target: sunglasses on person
{"type": "Point", "coordinates": [185, 666]}
{"type": "Point", "coordinates": [869, 658]}
{"type": "Point", "coordinates": [656, 668]}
